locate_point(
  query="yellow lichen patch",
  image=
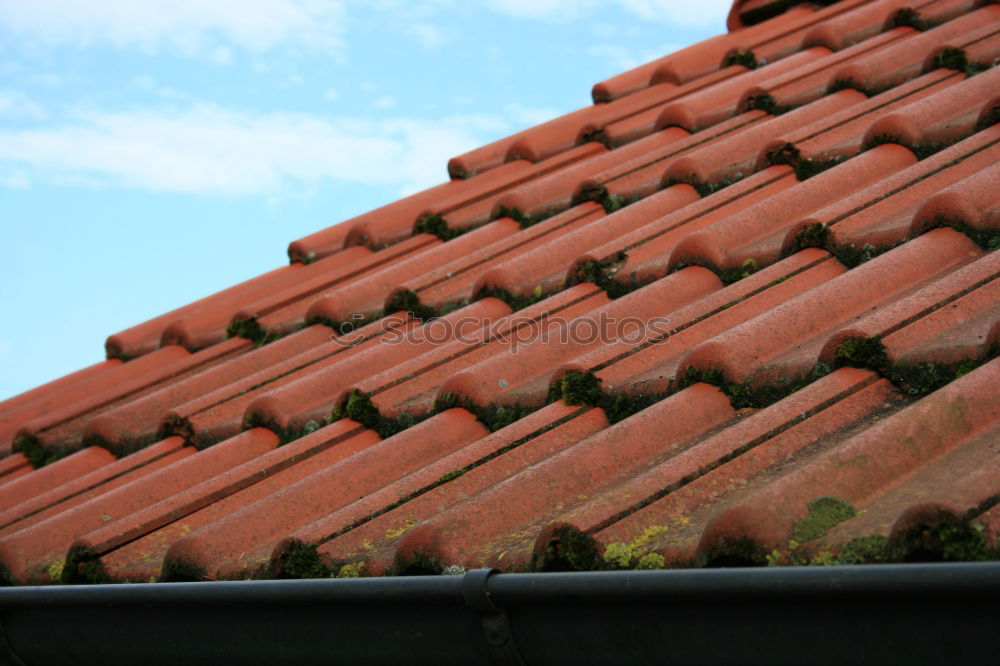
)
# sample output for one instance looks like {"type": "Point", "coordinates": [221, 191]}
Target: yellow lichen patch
{"type": "Point", "coordinates": [55, 569]}
{"type": "Point", "coordinates": [401, 530]}
{"type": "Point", "coordinates": [352, 570]}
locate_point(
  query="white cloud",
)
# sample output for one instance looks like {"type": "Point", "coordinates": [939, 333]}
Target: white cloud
{"type": "Point", "coordinates": [208, 149]}
{"type": "Point", "coordinates": [15, 180]}
{"type": "Point", "coordinates": [428, 35]}
{"type": "Point", "coordinates": [623, 58]}
{"type": "Point", "coordinates": [525, 116]}
{"type": "Point", "coordinates": [700, 14]}
{"type": "Point", "coordinates": [16, 104]}
{"type": "Point", "coordinates": [384, 102]}
{"type": "Point", "coordinates": [331, 94]}
{"type": "Point", "coordinates": [191, 27]}
{"type": "Point", "coordinates": [693, 14]}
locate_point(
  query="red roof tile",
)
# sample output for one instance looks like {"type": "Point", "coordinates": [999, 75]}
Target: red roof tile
{"type": "Point", "coordinates": [744, 308]}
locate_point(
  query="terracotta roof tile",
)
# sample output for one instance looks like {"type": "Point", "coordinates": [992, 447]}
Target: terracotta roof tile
{"type": "Point", "coordinates": [744, 309]}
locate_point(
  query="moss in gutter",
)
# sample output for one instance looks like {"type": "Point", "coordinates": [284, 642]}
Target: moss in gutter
{"type": "Point", "coordinates": [766, 103]}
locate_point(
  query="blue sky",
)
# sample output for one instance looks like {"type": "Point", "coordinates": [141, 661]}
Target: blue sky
{"type": "Point", "coordinates": [154, 152]}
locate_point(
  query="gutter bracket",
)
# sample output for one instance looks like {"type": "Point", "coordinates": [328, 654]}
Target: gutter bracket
{"type": "Point", "coordinates": [496, 627]}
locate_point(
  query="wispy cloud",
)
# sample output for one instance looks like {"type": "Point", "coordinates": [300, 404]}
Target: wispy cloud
{"type": "Point", "coordinates": [208, 149]}
{"type": "Point", "coordinates": [189, 27]}
{"type": "Point", "coordinates": [700, 14]}
{"type": "Point", "coordinates": [623, 58]}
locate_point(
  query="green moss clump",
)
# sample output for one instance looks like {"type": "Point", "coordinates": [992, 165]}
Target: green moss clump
{"type": "Point", "coordinates": [568, 549]}
{"type": "Point", "coordinates": [248, 329]}
{"type": "Point", "coordinates": [908, 18]}
{"type": "Point", "coordinates": [784, 154]}
{"type": "Point", "coordinates": [987, 239]}
{"type": "Point", "coordinates": [731, 275]}
{"type": "Point", "coordinates": [417, 564]}
{"type": "Point", "coordinates": [951, 58]}
{"type": "Point", "coordinates": [579, 388]}
{"type": "Point", "coordinates": [813, 235]}
{"type": "Point", "coordinates": [872, 549]}
{"type": "Point", "coordinates": [436, 225]}
{"type": "Point", "coordinates": [515, 301]}
{"type": "Point", "coordinates": [615, 202]}
{"type": "Point", "coordinates": [359, 407]}
{"type": "Point", "coordinates": [733, 552]}
{"type": "Point", "coordinates": [863, 353]}
{"type": "Point", "coordinates": [493, 416]}
{"type": "Point", "coordinates": [947, 539]}
{"type": "Point", "coordinates": [596, 136]}
{"type": "Point", "coordinates": [37, 455]}
{"type": "Point", "coordinates": [453, 474]}
{"type": "Point", "coordinates": [824, 513]}
{"type": "Point", "coordinates": [766, 103]}
{"type": "Point", "coordinates": [806, 169]}
{"type": "Point", "coordinates": [651, 561]}
{"type": "Point", "coordinates": [406, 300]}
{"type": "Point", "coordinates": [524, 219]}
{"type": "Point", "coordinates": [746, 394]}
{"type": "Point", "coordinates": [743, 57]}
{"type": "Point", "coordinates": [918, 379]}
{"type": "Point", "coordinates": [300, 560]}
{"type": "Point", "coordinates": [853, 256]}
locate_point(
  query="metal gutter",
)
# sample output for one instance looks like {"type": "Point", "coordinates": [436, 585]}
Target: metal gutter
{"type": "Point", "coordinates": [872, 614]}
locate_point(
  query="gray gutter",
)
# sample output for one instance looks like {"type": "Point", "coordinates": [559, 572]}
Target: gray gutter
{"type": "Point", "coordinates": [871, 614]}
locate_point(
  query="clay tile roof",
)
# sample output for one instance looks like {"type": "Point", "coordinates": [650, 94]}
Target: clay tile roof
{"type": "Point", "coordinates": [745, 308]}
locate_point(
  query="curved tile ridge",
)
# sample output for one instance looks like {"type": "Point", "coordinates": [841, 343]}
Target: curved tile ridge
{"type": "Point", "coordinates": [764, 232]}
{"type": "Point", "coordinates": [485, 529]}
{"type": "Point", "coordinates": [365, 532]}
{"type": "Point", "coordinates": [665, 508]}
{"type": "Point", "coordinates": [36, 553]}
{"type": "Point", "coordinates": [237, 543]}
{"type": "Point", "coordinates": [883, 454]}
{"type": "Point", "coordinates": [786, 341]}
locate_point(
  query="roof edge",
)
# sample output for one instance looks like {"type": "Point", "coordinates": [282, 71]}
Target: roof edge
{"type": "Point", "coordinates": [745, 13]}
